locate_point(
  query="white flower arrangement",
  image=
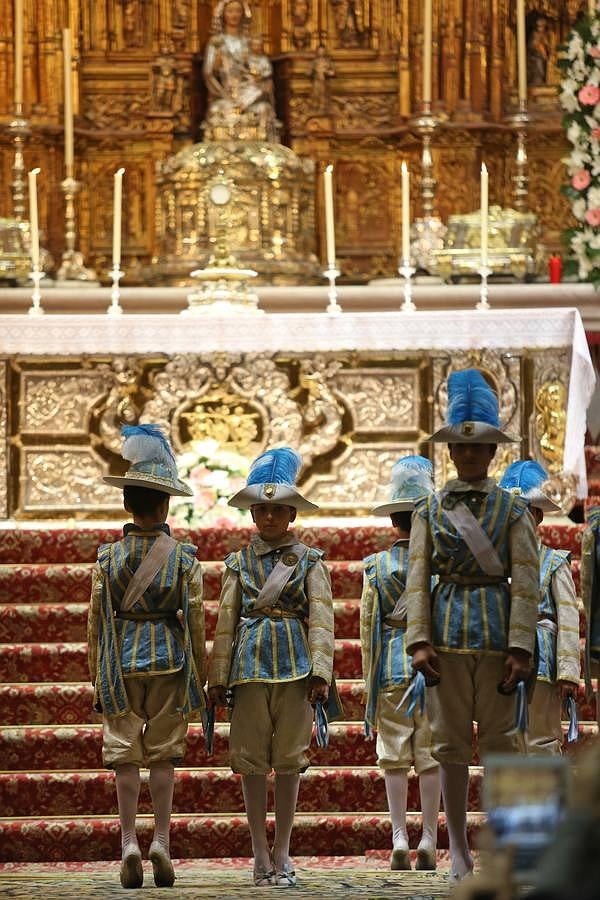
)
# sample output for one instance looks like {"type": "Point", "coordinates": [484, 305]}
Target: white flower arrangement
{"type": "Point", "coordinates": [580, 100]}
{"type": "Point", "coordinates": [214, 474]}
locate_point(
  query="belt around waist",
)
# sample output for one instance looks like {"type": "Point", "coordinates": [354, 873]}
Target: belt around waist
{"type": "Point", "coordinates": [146, 616]}
{"type": "Point", "coordinates": [272, 612]}
{"type": "Point", "coordinates": [473, 580]}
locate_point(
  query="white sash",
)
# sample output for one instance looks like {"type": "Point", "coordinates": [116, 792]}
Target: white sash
{"type": "Point", "coordinates": [280, 575]}
{"type": "Point", "coordinates": [476, 539]}
{"type": "Point", "coordinates": [146, 571]}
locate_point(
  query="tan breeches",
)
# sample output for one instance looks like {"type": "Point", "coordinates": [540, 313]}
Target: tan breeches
{"type": "Point", "coordinates": [271, 728]}
{"type": "Point", "coordinates": [153, 731]}
{"type": "Point", "coordinates": [545, 731]}
{"type": "Point", "coordinates": [467, 693]}
{"type": "Point", "coordinates": [402, 741]}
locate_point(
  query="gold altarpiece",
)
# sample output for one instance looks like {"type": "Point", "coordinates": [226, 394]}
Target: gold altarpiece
{"type": "Point", "coordinates": [139, 99]}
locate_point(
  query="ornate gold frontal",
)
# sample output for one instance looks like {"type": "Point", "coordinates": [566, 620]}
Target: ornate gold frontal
{"type": "Point", "coordinates": [351, 416]}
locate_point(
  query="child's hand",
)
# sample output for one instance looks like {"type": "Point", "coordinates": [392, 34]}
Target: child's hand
{"type": "Point", "coordinates": [426, 661]}
{"type": "Point", "coordinates": [217, 694]}
{"type": "Point", "coordinates": [318, 689]}
{"type": "Point", "coordinates": [517, 667]}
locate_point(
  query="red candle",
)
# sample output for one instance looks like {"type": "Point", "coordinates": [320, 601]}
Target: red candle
{"type": "Point", "coordinates": [555, 269]}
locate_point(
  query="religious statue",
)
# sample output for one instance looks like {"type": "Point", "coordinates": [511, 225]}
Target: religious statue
{"type": "Point", "coordinates": [348, 21]}
{"type": "Point", "coordinates": [539, 48]}
{"type": "Point", "coordinates": [165, 81]}
{"type": "Point", "coordinates": [239, 79]}
{"type": "Point", "coordinates": [551, 423]}
{"type": "Point", "coordinates": [300, 33]}
{"type": "Point", "coordinates": [322, 69]}
{"type": "Point", "coordinates": [133, 29]}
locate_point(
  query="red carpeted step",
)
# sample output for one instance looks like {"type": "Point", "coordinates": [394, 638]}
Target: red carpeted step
{"type": "Point", "coordinates": [67, 622]}
{"type": "Point", "coordinates": [70, 545]}
{"type": "Point", "coordinates": [80, 746]}
{"type": "Point", "coordinates": [54, 583]}
{"type": "Point", "coordinates": [68, 661]}
{"type": "Point", "coordinates": [202, 837]}
{"type": "Point", "coordinates": [43, 703]}
{"type": "Point", "coordinates": [203, 791]}
{"type": "Point", "coordinates": [562, 536]}
{"type": "Point", "coordinates": [36, 747]}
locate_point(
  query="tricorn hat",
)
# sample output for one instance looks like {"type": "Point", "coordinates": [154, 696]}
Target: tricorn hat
{"type": "Point", "coordinates": [272, 479]}
{"type": "Point", "coordinates": [472, 416]}
{"type": "Point", "coordinates": [153, 464]}
{"type": "Point", "coordinates": [411, 480]}
{"type": "Point", "coordinates": [526, 477]}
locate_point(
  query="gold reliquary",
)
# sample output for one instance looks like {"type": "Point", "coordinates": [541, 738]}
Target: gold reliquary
{"type": "Point", "coordinates": [513, 245]}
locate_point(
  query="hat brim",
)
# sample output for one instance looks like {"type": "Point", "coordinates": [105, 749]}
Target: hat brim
{"type": "Point", "coordinates": [173, 489]}
{"type": "Point", "coordinates": [543, 502]}
{"type": "Point", "coordinates": [388, 509]}
{"type": "Point", "coordinates": [478, 433]}
{"type": "Point", "coordinates": [282, 495]}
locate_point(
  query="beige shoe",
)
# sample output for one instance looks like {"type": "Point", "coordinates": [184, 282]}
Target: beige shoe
{"type": "Point", "coordinates": [132, 874]}
{"type": "Point", "coordinates": [263, 877]}
{"type": "Point", "coordinates": [285, 877]}
{"type": "Point", "coordinates": [400, 860]}
{"type": "Point", "coordinates": [162, 867]}
{"type": "Point", "coordinates": [426, 859]}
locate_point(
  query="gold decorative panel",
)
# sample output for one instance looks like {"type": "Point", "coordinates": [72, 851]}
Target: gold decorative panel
{"type": "Point", "coordinates": [382, 400]}
{"type": "Point", "coordinates": [347, 83]}
{"type": "Point", "coordinates": [54, 403]}
{"type": "Point", "coordinates": [62, 479]}
{"type": "Point", "coordinates": [358, 478]}
{"type": "Point", "coordinates": [547, 425]}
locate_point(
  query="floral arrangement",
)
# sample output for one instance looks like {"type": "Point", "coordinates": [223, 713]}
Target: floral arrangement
{"type": "Point", "coordinates": [214, 474]}
{"type": "Point", "coordinates": [580, 99]}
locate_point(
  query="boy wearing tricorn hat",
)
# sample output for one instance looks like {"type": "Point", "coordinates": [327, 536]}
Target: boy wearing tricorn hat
{"type": "Point", "coordinates": [146, 646]}
{"type": "Point", "coordinates": [474, 634]}
{"type": "Point", "coordinates": [558, 618]}
{"type": "Point", "coordinates": [402, 740]}
{"type": "Point", "coordinates": [274, 647]}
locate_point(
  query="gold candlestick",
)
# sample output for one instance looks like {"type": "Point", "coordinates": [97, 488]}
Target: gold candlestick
{"type": "Point", "coordinates": [72, 267]}
{"type": "Point", "coordinates": [520, 122]}
{"type": "Point", "coordinates": [19, 129]}
{"type": "Point", "coordinates": [429, 229]}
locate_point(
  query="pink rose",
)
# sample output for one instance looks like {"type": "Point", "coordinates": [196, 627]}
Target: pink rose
{"type": "Point", "coordinates": [592, 217]}
{"type": "Point", "coordinates": [589, 95]}
{"type": "Point", "coordinates": [596, 133]}
{"type": "Point", "coordinates": [581, 180]}
{"type": "Point", "coordinates": [595, 52]}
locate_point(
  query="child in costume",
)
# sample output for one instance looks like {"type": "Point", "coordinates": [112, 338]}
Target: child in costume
{"type": "Point", "coordinates": [590, 595]}
{"type": "Point", "coordinates": [146, 646]}
{"type": "Point", "coordinates": [274, 647]}
{"type": "Point", "coordinates": [474, 634]}
{"type": "Point", "coordinates": [558, 618]}
{"type": "Point", "coordinates": [401, 741]}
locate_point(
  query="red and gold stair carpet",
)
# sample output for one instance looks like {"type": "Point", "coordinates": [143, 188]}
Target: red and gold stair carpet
{"type": "Point", "coordinates": [57, 803]}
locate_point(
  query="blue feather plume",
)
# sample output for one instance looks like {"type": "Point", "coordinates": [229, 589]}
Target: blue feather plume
{"type": "Point", "coordinates": [471, 399]}
{"type": "Point", "coordinates": [525, 475]}
{"type": "Point", "coordinates": [277, 466]}
{"type": "Point", "coordinates": [147, 443]}
{"type": "Point", "coordinates": [412, 475]}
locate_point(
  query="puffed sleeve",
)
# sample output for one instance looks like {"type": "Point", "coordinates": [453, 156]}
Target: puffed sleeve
{"type": "Point", "coordinates": [93, 621]}
{"type": "Point", "coordinates": [230, 605]}
{"type": "Point", "coordinates": [568, 664]}
{"type": "Point", "coordinates": [418, 584]}
{"type": "Point", "coordinates": [321, 639]}
{"type": "Point", "coordinates": [196, 623]}
{"type": "Point", "coordinates": [524, 583]}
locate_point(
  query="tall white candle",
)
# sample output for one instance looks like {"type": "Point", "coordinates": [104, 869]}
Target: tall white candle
{"type": "Point", "coordinates": [329, 217]}
{"type": "Point", "coordinates": [427, 50]}
{"type": "Point", "coordinates": [484, 215]}
{"type": "Point", "coordinates": [521, 52]}
{"type": "Point", "coordinates": [68, 104]}
{"type": "Point", "coordinates": [18, 53]}
{"type": "Point", "coordinates": [117, 202]}
{"type": "Point", "coordinates": [405, 215]}
{"type": "Point", "coordinates": [34, 233]}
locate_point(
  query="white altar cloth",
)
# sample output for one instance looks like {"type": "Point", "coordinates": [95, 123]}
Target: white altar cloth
{"type": "Point", "coordinates": [60, 335]}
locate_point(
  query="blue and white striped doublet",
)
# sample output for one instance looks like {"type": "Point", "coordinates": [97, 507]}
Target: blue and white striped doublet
{"type": "Point", "coordinates": [472, 616]}
{"type": "Point", "coordinates": [269, 648]}
{"type": "Point", "coordinates": [550, 561]}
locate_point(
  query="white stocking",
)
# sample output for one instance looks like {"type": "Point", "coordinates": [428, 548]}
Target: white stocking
{"type": "Point", "coordinates": [255, 800]}
{"type": "Point", "coordinates": [128, 792]}
{"type": "Point", "coordinates": [396, 788]}
{"type": "Point", "coordinates": [429, 788]}
{"type": "Point", "coordinates": [162, 779]}
{"type": "Point", "coordinates": [455, 790]}
{"type": "Point", "coordinates": [286, 798]}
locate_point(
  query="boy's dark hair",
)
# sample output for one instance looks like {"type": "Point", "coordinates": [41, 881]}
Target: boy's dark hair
{"type": "Point", "coordinates": [142, 501]}
{"type": "Point", "coordinates": [402, 520]}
